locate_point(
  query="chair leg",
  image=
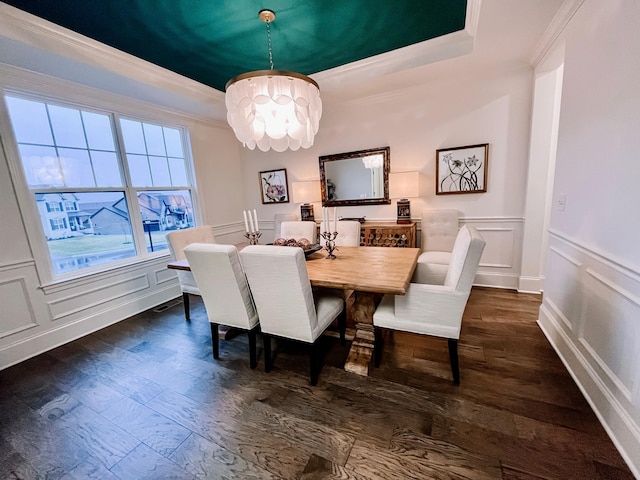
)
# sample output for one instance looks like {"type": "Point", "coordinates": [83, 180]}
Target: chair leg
{"type": "Point", "coordinates": [342, 326]}
{"type": "Point", "coordinates": [252, 348]}
{"type": "Point", "coordinates": [215, 341]}
{"type": "Point", "coordinates": [266, 339]}
{"type": "Point", "coordinates": [377, 347]}
{"type": "Point", "coordinates": [453, 358]}
{"type": "Point", "coordinates": [314, 364]}
{"type": "Point", "coordinates": [185, 301]}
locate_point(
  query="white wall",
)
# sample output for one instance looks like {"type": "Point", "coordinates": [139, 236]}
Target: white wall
{"type": "Point", "coordinates": [483, 107]}
{"type": "Point", "coordinates": [591, 307]}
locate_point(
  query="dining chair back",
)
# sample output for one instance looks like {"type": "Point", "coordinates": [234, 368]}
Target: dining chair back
{"type": "Point", "coordinates": [435, 309]}
{"type": "Point", "coordinates": [278, 218]}
{"type": "Point", "coordinates": [285, 300]}
{"type": "Point", "coordinates": [178, 240]}
{"type": "Point", "coordinates": [438, 232]}
{"type": "Point", "coordinates": [223, 285]}
{"type": "Point", "coordinates": [348, 234]}
{"type": "Point", "coordinates": [298, 230]}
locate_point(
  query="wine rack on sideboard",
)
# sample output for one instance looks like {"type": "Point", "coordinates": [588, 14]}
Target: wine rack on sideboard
{"type": "Point", "coordinates": [387, 234]}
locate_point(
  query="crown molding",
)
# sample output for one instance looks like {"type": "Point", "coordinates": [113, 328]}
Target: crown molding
{"type": "Point", "coordinates": [36, 32]}
{"type": "Point", "coordinates": [430, 51]}
{"type": "Point", "coordinates": [19, 80]}
{"type": "Point", "coordinates": [554, 30]}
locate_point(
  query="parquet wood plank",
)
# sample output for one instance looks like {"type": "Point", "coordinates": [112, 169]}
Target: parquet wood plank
{"type": "Point", "coordinates": [372, 462]}
{"type": "Point", "coordinates": [274, 455]}
{"type": "Point", "coordinates": [311, 436]}
{"type": "Point", "coordinates": [319, 468]}
{"type": "Point", "coordinates": [208, 460]}
{"type": "Point", "coordinates": [37, 444]}
{"type": "Point", "coordinates": [101, 438]}
{"type": "Point", "coordinates": [155, 430]}
{"type": "Point", "coordinates": [89, 469]}
{"type": "Point", "coordinates": [143, 463]}
{"type": "Point", "coordinates": [446, 456]}
{"type": "Point", "coordinates": [542, 457]}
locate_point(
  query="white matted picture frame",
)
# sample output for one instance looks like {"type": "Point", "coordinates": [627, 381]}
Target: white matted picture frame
{"type": "Point", "coordinates": [273, 186]}
{"type": "Point", "coordinates": [462, 169]}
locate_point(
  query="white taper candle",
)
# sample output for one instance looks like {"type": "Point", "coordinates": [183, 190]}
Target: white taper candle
{"type": "Point", "coordinates": [325, 220]}
{"type": "Point", "coordinates": [250, 221]}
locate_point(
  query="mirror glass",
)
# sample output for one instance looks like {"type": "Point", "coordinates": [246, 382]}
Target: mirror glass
{"type": "Point", "coordinates": [355, 178]}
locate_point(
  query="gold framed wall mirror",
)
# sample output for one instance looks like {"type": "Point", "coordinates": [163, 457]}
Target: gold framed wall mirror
{"type": "Point", "coordinates": [355, 178]}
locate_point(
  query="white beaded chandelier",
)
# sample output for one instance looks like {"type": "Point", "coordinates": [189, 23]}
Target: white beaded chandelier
{"type": "Point", "coordinates": [273, 109]}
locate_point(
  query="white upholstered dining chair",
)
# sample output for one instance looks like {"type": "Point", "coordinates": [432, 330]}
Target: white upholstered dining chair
{"type": "Point", "coordinates": [348, 234]}
{"type": "Point", "coordinates": [285, 301]}
{"type": "Point", "coordinates": [225, 291]}
{"type": "Point", "coordinates": [298, 230]}
{"type": "Point", "coordinates": [435, 309]}
{"type": "Point", "coordinates": [178, 240]}
{"type": "Point", "coordinates": [438, 231]}
{"type": "Point", "coordinates": [278, 218]}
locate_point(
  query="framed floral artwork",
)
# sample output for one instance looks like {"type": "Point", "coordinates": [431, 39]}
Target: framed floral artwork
{"type": "Point", "coordinates": [462, 169]}
{"type": "Point", "coordinates": [273, 185]}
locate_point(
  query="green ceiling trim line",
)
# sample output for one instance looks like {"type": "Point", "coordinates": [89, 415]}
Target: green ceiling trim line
{"type": "Point", "coordinates": [213, 41]}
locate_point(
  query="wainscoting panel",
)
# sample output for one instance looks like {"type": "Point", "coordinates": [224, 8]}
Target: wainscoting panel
{"type": "Point", "coordinates": [498, 251]}
{"type": "Point", "coordinates": [501, 259]}
{"type": "Point", "coordinates": [565, 299]}
{"type": "Point", "coordinates": [591, 315]}
{"type": "Point", "coordinates": [17, 313]}
{"type": "Point", "coordinates": [96, 296]}
{"type": "Point", "coordinates": [613, 312]}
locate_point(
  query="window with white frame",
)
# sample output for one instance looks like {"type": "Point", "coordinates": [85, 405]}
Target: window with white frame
{"type": "Point", "coordinates": [107, 188]}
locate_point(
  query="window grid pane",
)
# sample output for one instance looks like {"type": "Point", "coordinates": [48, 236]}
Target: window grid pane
{"type": "Point", "coordinates": [156, 143]}
{"type": "Point", "coordinates": [64, 147]}
{"type": "Point", "coordinates": [60, 157]}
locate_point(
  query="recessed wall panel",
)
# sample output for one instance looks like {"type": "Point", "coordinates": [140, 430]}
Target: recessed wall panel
{"type": "Point", "coordinates": [97, 297]}
{"type": "Point", "coordinates": [614, 314]}
{"type": "Point", "coordinates": [498, 251]}
{"type": "Point", "coordinates": [562, 286]}
{"type": "Point", "coordinates": [16, 313]}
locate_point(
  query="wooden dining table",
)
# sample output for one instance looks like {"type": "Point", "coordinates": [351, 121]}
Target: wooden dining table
{"type": "Point", "coordinates": [368, 272]}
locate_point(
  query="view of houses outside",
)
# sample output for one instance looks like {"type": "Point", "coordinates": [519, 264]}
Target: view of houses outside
{"type": "Point", "coordinates": [83, 180]}
{"type": "Point", "coordinates": [90, 228]}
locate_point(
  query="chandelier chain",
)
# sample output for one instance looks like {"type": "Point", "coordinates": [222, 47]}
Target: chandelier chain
{"type": "Point", "coordinates": [269, 44]}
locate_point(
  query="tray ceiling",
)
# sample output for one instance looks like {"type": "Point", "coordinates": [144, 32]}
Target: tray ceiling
{"type": "Point", "coordinates": [211, 42]}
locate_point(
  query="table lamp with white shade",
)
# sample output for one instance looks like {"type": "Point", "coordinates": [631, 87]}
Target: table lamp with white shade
{"type": "Point", "coordinates": [404, 185]}
{"type": "Point", "coordinates": [305, 193]}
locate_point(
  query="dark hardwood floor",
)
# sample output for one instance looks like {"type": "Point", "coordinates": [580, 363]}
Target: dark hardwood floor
{"type": "Point", "coordinates": [143, 399]}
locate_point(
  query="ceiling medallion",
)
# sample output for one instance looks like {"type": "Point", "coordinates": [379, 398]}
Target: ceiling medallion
{"type": "Point", "coordinates": [273, 109]}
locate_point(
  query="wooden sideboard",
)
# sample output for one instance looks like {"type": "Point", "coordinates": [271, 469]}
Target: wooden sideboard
{"type": "Point", "coordinates": [388, 234]}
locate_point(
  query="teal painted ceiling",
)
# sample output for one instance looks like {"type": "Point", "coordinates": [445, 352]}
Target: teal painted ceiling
{"type": "Point", "coordinates": [212, 41]}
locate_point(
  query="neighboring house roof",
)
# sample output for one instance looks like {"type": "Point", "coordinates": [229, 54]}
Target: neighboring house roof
{"type": "Point", "coordinates": [63, 196]}
{"type": "Point", "coordinates": [112, 210]}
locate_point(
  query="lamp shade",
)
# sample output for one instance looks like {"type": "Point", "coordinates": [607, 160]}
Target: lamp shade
{"type": "Point", "coordinates": [306, 192]}
{"type": "Point", "coordinates": [404, 184]}
{"type": "Point", "coordinates": [274, 109]}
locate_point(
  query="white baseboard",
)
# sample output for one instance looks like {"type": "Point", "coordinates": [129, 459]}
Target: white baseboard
{"type": "Point", "coordinates": [530, 284]}
{"type": "Point", "coordinates": [620, 427]}
{"type": "Point", "coordinates": [496, 280]}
